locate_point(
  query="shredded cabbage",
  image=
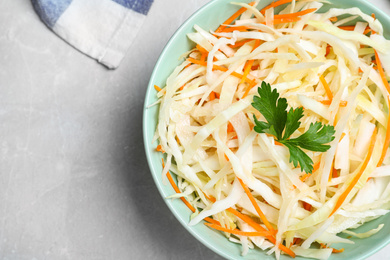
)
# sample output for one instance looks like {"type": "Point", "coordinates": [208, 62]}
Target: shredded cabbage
{"type": "Point", "coordinates": [205, 126]}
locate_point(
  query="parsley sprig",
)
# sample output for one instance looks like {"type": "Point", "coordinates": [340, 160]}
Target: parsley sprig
{"type": "Point", "coordinates": [282, 124]}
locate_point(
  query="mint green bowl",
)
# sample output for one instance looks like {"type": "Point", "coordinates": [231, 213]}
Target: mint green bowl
{"type": "Point", "coordinates": [209, 17]}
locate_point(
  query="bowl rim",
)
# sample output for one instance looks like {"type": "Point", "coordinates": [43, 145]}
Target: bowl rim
{"type": "Point", "coordinates": [148, 145]}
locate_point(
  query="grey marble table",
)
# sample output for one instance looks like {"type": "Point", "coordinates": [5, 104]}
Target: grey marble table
{"type": "Point", "coordinates": [74, 181]}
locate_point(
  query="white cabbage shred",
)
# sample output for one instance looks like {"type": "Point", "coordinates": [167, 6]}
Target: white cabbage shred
{"type": "Point", "coordinates": [205, 126]}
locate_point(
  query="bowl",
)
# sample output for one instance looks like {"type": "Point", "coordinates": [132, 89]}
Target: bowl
{"type": "Point", "coordinates": [209, 17]}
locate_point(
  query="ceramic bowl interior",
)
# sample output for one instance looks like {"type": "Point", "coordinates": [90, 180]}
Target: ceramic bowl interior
{"type": "Point", "coordinates": [209, 17]}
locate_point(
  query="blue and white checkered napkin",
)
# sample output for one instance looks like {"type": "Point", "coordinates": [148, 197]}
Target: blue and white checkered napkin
{"type": "Point", "coordinates": [102, 29]}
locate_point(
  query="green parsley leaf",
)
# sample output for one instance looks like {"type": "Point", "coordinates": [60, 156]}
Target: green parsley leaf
{"type": "Point", "coordinates": [272, 108]}
{"type": "Point", "coordinates": [293, 117]}
{"type": "Point", "coordinates": [282, 124]}
{"type": "Point", "coordinates": [297, 155]}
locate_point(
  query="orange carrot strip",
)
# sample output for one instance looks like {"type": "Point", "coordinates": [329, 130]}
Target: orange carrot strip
{"type": "Point", "coordinates": [327, 89]}
{"type": "Point", "coordinates": [337, 250]}
{"type": "Point", "coordinates": [307, 206]}
{"type": "Point", "coordinates": [259, 228]}
{"type": "Point", "coordinates": [275, 4]}
{"type": "Point", "coordinates": [160, 149]}
{"type": "Point", "coordinates": [249, 63]}
{"type": "Point", "coordinates": [216, 67]}
{"type": "Point", "coordinates": [247, 69]}
{"type": "Point", "coordinates": [342, 136]}
{"type": "Point", "coordinates": [344, 195]}
{"type": "Point", "coordinates": [230, 128]}
{"type": "Point", "coordinates": [327, 102]}
{"type": "Point", "coordinates": [157, 88]}
{"type": "Point", "coordinates": [201, 49]}
{"type": "Point", "coordinates": [239, 232]}
{"type": "Point", "coordinates": [387, 138]}
{"type": "Point", "coordinates": [203, 56]}
{"type": "Point", "coordinates": [293, 15]}
{"type": "Point", "coordinates": [335, 173]}
{"type": "Point", "coordinates": [316, 166]}
{"type": "Point", "coordinates": [256, 206]}
{"type": "Point", "coordinates": [333, 19]}
{"type": "Point", "coordinates": [382, 72]}
{"type": "Point", "coordinates": [367, 30]}
{"type": "Point", "coordinates": [174, 186]}
{"type": "Point", "coordinates": [347, 27]}
{"type": "Point", "coordinates": [212, 96]}
{"type": "Point", "coordinates": [247, 90]}
{"type": "Point", "coordinates": [334, 249]}
{"type": "Point", "coordinates": [232, 18]}
{"type": "Point", "coordinates": [386, 83]}
{"type": "Point", "coordinates": [352, 27]}
{"type": "Point", "coordinates": [328, 49]}
{"type": "Point", "coordinates": [240, 43]}
{"type": "Point", "coordinates": [236, 28]}
{"type": "Point", "coordinates": [212, 221]}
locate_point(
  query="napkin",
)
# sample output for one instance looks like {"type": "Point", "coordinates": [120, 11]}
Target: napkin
{"type": "Point", "coordinates": [102, 29]}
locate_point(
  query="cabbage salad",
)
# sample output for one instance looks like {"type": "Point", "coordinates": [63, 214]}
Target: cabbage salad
{"type": "Point", "coordinates": [243, 117]}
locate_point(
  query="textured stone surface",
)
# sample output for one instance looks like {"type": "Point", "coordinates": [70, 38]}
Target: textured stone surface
{"type": "Point", "coordinates": [74, 181]}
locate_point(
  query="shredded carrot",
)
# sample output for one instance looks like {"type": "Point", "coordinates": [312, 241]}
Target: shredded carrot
{"type": "Point", "coordinates": [344, 195]}
{"type": "Point", "coordinates": [212, 96]}
{"type": "Point", "coordinates": [293, 15]}
{"type": "Point", "coordinates": [334, 250]}
{"type": "Point", "coordinates": [177, 190]}
{"type": "Point", "coordinates": [255, 67]}
{"type": "Point", "coordinates": [201, 49]}
{"type": "Point", "coordinates": [347, 27]}
{"type": "Point", "coordinates": [382, 72]}
{"type": "Point", "coordinates": [342, 136]}
{"type": "Point", "coordinates": [203, 56]}
{"type": "Point", "coordinates": [255, 226]}
{"type": "Point", "coordinates": [328, 49]}
{"type": "Point", "coordinates": [387, 138]}
{"type": "Point", "coordinates": [337, 250]}
{"type": "Point", "coordinates": [227, 158]}
{"type": "Point", "coordinates": [307, 206]}
{"type": "Point", "coordinates": [328, 102]}
{"type": "Point", "coordinates": [240, 43]}
{"type": "Point", "coordinates": [216, 67]}
{"type": "Point", "coordinates": [259, 228]}
{"type": "Point", "coordinates": [230, 128]}
{"type": "Point", "coordinates": [174, 186]}
{"type": "Point", "coordinates": [296, 240]}
{"type": "Point", "coordinates": [256, 206]}
{"type": "Point", "coordinates": [333, 19]}
{"type": "Point", "coordinates": [249, 63]}
{"type": "Point", "coordinates": [160, 149]}
{"type": "Point", "coordinates": [386, 83]}
{"type": "Point", "coordinates": [236, 28]}
{"type": "Point", "coordinates": [247, 69]}
{"type": "Point", "coordinates": [335, 173]}
{"type": "Point", "coordinates": [232, 18]}
{"type": "Point", "coordinates": [157, 88]}
{"type": "Point", "coordinates": [327, 89]}
{"type": "Point", "coordinates": [275, 4]}
{"type": "Point", "coordinates": [316, 166]}
{"type": "Point", "coordinates": [212, 221]}
{"type": "Point", "coordinates": [352, 28]}
{"type": "Point", "coordinates": [239, 232]}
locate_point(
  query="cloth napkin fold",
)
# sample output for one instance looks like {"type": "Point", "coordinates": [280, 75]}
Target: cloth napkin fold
{"type": "Point", "coordinates": [102, 29]}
